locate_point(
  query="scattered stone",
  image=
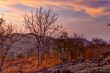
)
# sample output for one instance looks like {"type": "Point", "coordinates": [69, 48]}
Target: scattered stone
{"type": "Point", "coordinates": [96, 65]}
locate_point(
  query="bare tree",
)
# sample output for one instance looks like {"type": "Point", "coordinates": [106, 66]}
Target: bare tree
{"type": "Point", "coordinates": [79, 43]}
{"type": "Point", "coordinates": [41, 24]}
{"type": "Point", "coordinates": [7, 39]}
{"type": "Point", "coordinates": [60, 45]}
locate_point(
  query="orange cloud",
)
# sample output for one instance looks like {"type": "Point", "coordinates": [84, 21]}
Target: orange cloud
{"type": "Point", "coordinates": [76, 5]}
{"type": "Point", "coordinates": [87, 9]}
{"type": "Point", "coordinates": [36, 3]}
{"type": "Point", "coordinates": [90, 10]}
{"type": "Point", "coordinates": [13, 12]}
{"type": "Point", "coordinates": [95, 11]}
{"type": "Point", "coordinates": [6, 3]}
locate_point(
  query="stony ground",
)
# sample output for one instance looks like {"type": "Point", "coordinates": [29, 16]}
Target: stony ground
{"type": "Point", "coordinates": [95, 65]}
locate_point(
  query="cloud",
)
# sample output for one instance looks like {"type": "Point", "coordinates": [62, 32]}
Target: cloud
{"type": "Point", "coordinates": [75, 5]}
{"type": "Point", "coordinates": [76, 15]}
{"type": "Point", "coordinates": [92, 11]}
{"type": "Point", "coordinates": [37, 3]}
{"type": "Point", "coordinates": [6, 3]}
{"type": "Point", "coordinates": [12, 12]}
{"type": "Point", "coordinates": [95, 11]}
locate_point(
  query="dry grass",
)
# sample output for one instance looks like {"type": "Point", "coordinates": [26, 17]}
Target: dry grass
{"type": "Point", "coordinates": [30, 64]}
{"type": "Point", "coordinates": [27, 65]}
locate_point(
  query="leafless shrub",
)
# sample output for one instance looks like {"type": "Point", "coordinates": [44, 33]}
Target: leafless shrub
{"type": "Point", "coordinates": [42, 24]}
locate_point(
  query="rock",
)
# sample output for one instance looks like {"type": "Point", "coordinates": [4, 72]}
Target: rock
{"type": "Point", "coordinates": [98, 65]}
{"type": "Point", "coordinates": [81, 66]}
{"type": "Point", "coordinates": [95, 60]}
{"type": "Point", "coordinates": [105, 61]}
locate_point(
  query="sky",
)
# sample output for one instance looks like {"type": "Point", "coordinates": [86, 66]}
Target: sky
{"type": "Point", "coordinates": [89, 17]}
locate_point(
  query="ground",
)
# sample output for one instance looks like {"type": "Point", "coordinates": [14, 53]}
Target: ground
{"type": "Point", "coordinates": [27, 65]}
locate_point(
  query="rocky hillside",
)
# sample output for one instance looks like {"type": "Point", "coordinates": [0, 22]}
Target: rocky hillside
{"type": "Point", "coordinates": [95, 65]}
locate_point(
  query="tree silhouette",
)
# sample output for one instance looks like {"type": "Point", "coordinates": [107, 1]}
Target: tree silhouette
{"type": "Point", "coordinates": [42, 24]}
{"type": "Point", "coordinates": [7, 39]}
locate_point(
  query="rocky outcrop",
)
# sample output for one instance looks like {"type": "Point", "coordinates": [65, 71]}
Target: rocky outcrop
{"type": "Point", "coordinates": [99, 65]}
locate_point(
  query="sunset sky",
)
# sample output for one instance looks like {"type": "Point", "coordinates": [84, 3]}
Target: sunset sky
{"type": "Point", "coordinates": [89, 17]}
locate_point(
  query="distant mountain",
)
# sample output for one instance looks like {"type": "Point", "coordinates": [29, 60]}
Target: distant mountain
{"type": "Point", "coordinates": [26, 41]}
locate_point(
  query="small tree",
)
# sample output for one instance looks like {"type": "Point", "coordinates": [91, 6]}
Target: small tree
{"type": "Point", "coordinates": [79, 44]}
{"type": "Point", "coordinates": [7, 39]}
{"type": "Point", "coordinates": [61, 45]}
{"type": "Point", "coordinates": [75, 45]}
{"type": "Point", "coordinates": [41, 24]}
